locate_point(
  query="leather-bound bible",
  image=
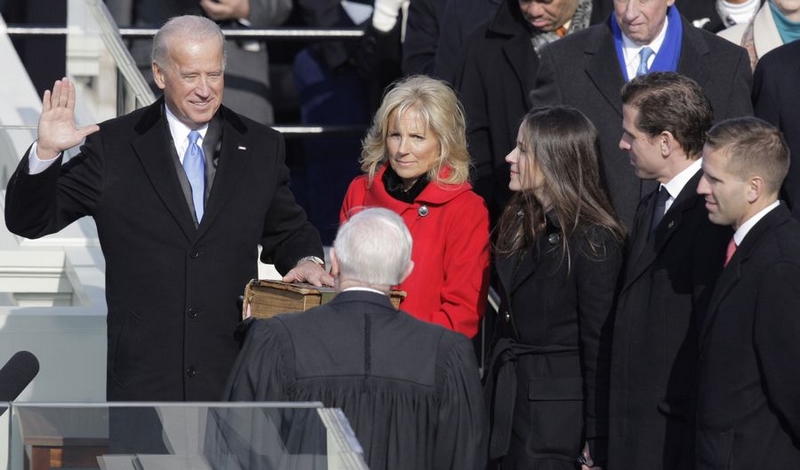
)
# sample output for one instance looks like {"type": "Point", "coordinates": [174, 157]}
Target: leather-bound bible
{"type": "Point", "coordinates": [264, 299]}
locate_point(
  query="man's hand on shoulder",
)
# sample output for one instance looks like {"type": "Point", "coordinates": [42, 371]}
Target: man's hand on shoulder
{"type": "Point", "coordinates": [57, 130]}
{"type": "Point", "coordinates": [311, 272]}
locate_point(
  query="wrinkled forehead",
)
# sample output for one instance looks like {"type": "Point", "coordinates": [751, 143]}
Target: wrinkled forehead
{"type": "Point", "coordinates": [659, 6]}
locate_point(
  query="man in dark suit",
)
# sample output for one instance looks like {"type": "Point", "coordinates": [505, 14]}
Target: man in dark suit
{"type": "Point", "coordinates": [587, 70]}
{"type": "Point", "coordinates": [775, 100]}
{"type": "Point", "coordinates": [748, 393]}
{"type": "Point", "coordinates": [410, 389]}
{"type": "Point", "coordinates": [497, 70]}
{"type": "Point", "coordinates": [674, 256]}
{"type": "Point", "coordinates": [179, 245]}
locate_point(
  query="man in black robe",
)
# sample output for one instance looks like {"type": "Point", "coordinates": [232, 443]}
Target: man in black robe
{"type": "Point", "coordinates": [410, 389]}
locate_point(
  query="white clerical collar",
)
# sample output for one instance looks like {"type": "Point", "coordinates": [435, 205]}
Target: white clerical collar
{"type": "Point", "coordinates": [363, 289]}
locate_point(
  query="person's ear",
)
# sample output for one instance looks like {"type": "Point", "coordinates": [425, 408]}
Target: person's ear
{"type": "Point", "coordinates": [334, 263]}
{"type": "Point", "coordinates": [158, 76]}
{"type": "Point", "coordinates": [667, 143]}
{"type": "Point", "coordinates": [755, 189]}
{"type": "Point", "coordinates": [409, 268]}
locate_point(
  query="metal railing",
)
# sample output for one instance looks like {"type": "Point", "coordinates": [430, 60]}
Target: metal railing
{"type": "Point", "coordinates": [113, 38]}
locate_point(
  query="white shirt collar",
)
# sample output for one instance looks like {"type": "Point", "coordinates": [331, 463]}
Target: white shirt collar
{"type": "Point", "coordinates": [180, 133]}
{"type": "Point", "coordinates": [630, 50]}
{"type": "Point", "coordinates": [363, 289]}
{"type": "Point", "coordinates": [678, 182]}
{"type": "Point", "coordinates": [743, 229]}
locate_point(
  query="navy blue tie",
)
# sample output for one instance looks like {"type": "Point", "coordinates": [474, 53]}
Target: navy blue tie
{"type": "Point", "coordinates": [660, 208]}
{"type": "Point", "coordinates": [194, 164]}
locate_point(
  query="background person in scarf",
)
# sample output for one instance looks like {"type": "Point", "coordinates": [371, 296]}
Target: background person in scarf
{"type": "Point", "coordinates": [776, 23]}
{"type": "Point", "coordinates": [497, 69]}
{"type": "Point", "coordinates": [587, 70]}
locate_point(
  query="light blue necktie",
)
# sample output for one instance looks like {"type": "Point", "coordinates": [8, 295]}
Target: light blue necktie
{"type": "Point", "coordinates": [194, 164]}
{"type": "Point", "coordinates": [644, 55]}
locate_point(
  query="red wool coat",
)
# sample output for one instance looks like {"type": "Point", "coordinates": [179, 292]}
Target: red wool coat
{"type": "Point", "coordinates": [450, 228]}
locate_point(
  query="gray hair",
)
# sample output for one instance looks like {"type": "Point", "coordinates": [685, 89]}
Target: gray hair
{"type": "Point", "coordinates": [186, 27]}
{"type": "Point", "coordinates": [373, 247]}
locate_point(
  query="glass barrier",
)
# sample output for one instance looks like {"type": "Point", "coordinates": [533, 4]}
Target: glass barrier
{"type": "Point", "coordinates": [197, 436]}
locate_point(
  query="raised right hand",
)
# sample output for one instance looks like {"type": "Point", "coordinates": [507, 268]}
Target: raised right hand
{"type": "Point", "coordinates": [57, 130]}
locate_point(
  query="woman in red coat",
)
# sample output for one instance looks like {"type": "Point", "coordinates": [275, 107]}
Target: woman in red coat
{"type": "Point", "coordinates": [415, 163]}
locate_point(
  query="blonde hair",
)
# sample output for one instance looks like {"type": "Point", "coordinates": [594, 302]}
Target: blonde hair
{"type": "Point", "coordinates": [438, 107]}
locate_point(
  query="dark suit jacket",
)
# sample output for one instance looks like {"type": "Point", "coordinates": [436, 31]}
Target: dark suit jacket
{"type": "Point", "coordinates": [496, 74]}
{"type": "Point", "coordinates": [422, 35]}
{"type": "Point", "coordinates": [776, 100]}
{"type": "Point", "coordinates": [410, 389]}
{"type": "Point", "coordinates": [497, 69]}
{"type": "Point", "coordinates": [561, 394]}
{"type": "Point", "coordinates": [172, 289]}
{"type": "Point", "coordinates": [582, 70]}
{"type": "Point", "coordinates": [748, 389]}
{"type": "Point", "coordinates": [701, 10]}
{"type": "Point", "coordinates": [667, 282]}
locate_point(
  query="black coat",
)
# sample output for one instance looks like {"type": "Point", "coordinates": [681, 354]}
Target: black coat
{"type": "Point", "coordinates": [410, 389]}
{"type": "Point", "coordinates": [496, 72]}
{"type": "Point", "coordinates": [582, 70]}
{"type": "Point", "coordinates": [748, 387]}
{"type": "Point", "coordinates": [776, 100]}
{"type": "Point", "coordinates": [557, 317]}
{"type": "Point", "coordinates": [667, 282]}
{"type": "Point", "coordinates": [172, 289]}
{"type": "Point", "coordinates": [422, 36]}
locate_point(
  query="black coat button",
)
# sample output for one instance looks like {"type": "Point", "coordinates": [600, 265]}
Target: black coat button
{"type": "Point", "coordinates": [192, 312]}
{"type": "Point", "coordinates": [191, 372]}
{"type": "Point", "coordinates": [194, 254]}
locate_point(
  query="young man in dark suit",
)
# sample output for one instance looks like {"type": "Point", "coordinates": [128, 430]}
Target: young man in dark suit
{"type": "Point", "coordinates": [587, 70]}
{"type": "Point", "coordinates": [179, 243]}
{"type": "Point", "coordinates": [674, 256]}
{"type": "Point", "coordinates": [748, 392]}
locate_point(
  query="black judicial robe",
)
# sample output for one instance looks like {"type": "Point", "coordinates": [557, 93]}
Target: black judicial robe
{"type": "Point", "coordinates": [411, 390]}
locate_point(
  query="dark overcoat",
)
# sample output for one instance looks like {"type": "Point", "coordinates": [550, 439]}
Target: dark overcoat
{"type": "Point", "coordinates": [172, 289]}
{"type": "Point", "coordinates": [582, 70]}
{"type": "Point", "coordinates": [668, 278]}
{"type": "Point", "coordinates": [748, 389]}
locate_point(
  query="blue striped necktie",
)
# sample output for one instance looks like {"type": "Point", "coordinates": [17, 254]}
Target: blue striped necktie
{"type": "Point", "coordinates": [194, 164]}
